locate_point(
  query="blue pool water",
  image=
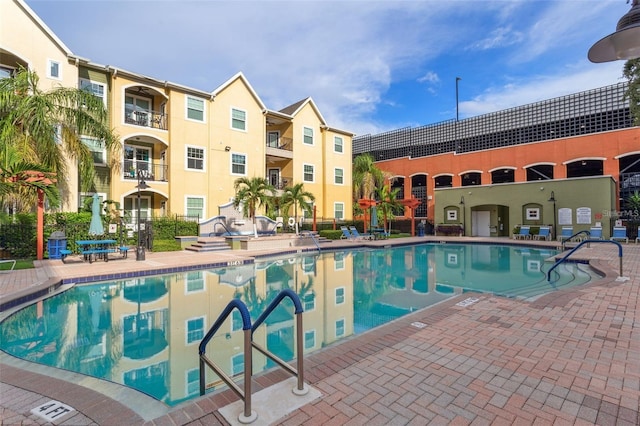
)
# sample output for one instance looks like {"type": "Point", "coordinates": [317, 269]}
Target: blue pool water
{"type": "Point", "coordinates": [144, 332]}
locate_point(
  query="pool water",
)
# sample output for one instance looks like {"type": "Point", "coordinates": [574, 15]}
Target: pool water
{"type": "Point", "coordinates": [144, 332]}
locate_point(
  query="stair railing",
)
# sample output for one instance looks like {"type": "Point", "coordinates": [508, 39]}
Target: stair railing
{"type": "Point", "coordinates": [564, 240]}
{"type": "Point", "coordinates": [313, 238]}
{"type": "Point", "coordinates": [573, 250]}
{"type": "Point", "coordinates": [299, 370]}
{"type": "Point", "coordinates": [248, 414]}
{"type": "Point", "coordinates": [213, 233]}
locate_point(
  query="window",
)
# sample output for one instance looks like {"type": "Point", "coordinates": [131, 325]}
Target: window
{"type": "Point", "coordinates": [195, 207]}
{"type": "Point", "coordinates": [338, 176]}
{"type": "Point", "coordinates": [340, 328]}
{"type": "Point", "coordinates": [308, 136]}
{"type": "Point", "coordinates": [237, 364]}
{"type": "Point", "coordinates": [97, 148]}
{"type": "Point", "coordinates": [195, 109]}
{"type": "Point", "coordinates": [6, 72]}
{"type": "Point", "coordinates": [53, 70]}
{"type": "Point", "coordinates": [96, 89]}
{"type": "Point", "coordinates": [309, 339]}
{"type": "Point", "coordinates": [273, 139]}
{"type": "Point", "coordinates": [238, 164]}
{"type": "Point", "coordinates": [339, 295]}
{"type": "Point", "coordinates": [309, 301]}
{"type": "Point", "coordinates": [238, 119]}
{"type": "Point", "coordinates": [236, 320]}
{"type": "Point", "coordinates": [195, 158]}
{"type": "Point", "coordinates": [193, 381]}
{"type": "Point", "coordinates": [195, 281]}
{"type": "Point", "coordinates": [195, 330]}
{"type": "Point", "coordinates": [85, 199]}
{"type": "Point", "coordinates": [338, 259]}
{"type": "Point", "coordinates": [137, 110]}
{"type": "Point", "coordinates": [338, 211]}
{"type": "Point", "coordinates": [338, 144]}
{"type": "Point", "coordinates": [308, 175]}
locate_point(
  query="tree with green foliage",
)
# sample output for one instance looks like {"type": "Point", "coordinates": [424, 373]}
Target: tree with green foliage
{"type": "Point", "coordinates": [387, 204]}
{"type": "Point", "coordinates": [46, 127]}
{"type": "Point", "coordinates": [296, 196]}
{"type": "Point", "coordinates": [252, 193]}
{"type": "Point", "coordinates": [631, 72]}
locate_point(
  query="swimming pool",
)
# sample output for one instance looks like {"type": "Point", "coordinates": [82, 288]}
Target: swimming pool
{"type": "Point", "coordinates": [144, 332]}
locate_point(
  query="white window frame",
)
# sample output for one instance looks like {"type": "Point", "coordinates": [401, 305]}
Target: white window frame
{"type": "Point", "coordinates": [195, 277]}
{"type": "Point", "coordinates": [245, 121]}
{"type": "Point", "coordinates": [338, 261]}
{"type": "Point", "coordinates": [88, 85]}
{"type": "Point", "coordinates": [188, 197]}
{"type": "Point", "coordinates": [91, 143]}
{"type": "Point", "coordinates": [335, 176]}
{"type": "Point", "coordinates": [186, 158]}
{"type": "Point", "coordinates": [186, 109]}
{"type": "Point", "coordinates": [192, 387]}
{"type": "Point", "coordinates": [304, 135]}
{"type": "Point", "coordinates": [340, 299]}
{"type": "Point", "coordinates": [246, 163]}
{"type": "Point", "coordinates": [336, 144]}
{"type": "Point", "coordinates": [189, 340]}
{"type": "Point", "coordinates": [313, 173]}
{"type": "Point", "coordinates": [309, 336]}
{"type": "Point", "coordinates": [340, 324]}
{"type": "Point", "coordinates": [50, 63]}
{"type": "Point", "coordinates": [83, 195]}
{"type": "Point", "coordinates": [309, 301]}
{"type": "Point", "coordinates": [335, 210]}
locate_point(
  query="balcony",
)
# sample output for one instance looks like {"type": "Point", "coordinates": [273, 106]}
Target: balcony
{"type": "Point", "coordinates": [280, 148]}
{"type": "Point", "coordinates": [150, 171]}
{"type": "Point", "coordinates": [152, 119]}
{"type": "Point", "coordinates": [280, 183]}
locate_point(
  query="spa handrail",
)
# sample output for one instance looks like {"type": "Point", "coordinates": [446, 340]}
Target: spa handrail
{"type": "Point", "coordinates": [245, 394]}
{"type": "Point", "coordinates": [573, 250]}
{"type": "Point", "coordinates": [564, 240]}
{"type": "Point", "coordinates": [214, 228]}
{"type": "Point", "coordinates": [299, 370]}
{"type": "Point", "coordinates": [313, 238]}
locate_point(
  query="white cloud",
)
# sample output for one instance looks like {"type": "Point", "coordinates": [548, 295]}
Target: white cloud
{"type": "Point", "coordinates": [430, 77]}
{"type": "Point", "coordinates": [518, 93]}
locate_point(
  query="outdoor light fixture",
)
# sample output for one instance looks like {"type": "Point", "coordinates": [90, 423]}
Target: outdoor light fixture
{"type": "Point", "coordinates": [553, 200]}
{"type": "Point", "coordinates": [140, 255]}
{"type": "Point", "coordinates": [227, 148]}
{"type": "Point", "coordinates": [624, 43]}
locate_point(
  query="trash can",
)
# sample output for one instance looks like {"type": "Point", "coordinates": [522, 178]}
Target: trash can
{"type": "Point", "coordinates": [421, 229]}
{"type": "Point", "coordinates": [57, 242]}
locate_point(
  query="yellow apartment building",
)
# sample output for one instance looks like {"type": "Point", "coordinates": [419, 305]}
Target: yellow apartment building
{"type": "Point", "coordinates": [187, 145]}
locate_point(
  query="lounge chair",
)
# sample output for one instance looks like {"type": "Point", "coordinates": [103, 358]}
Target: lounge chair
{"type": "Point", "coordinates": [544, 233]}
{"type": "Point", "coordinates": [524, 233]}
{"type": "Point", "coordinates": [565, 233]}
{"type": "Point", "coordinates": [10, 262]}
{"type": "Point", "coordinates": [595, 233]}
{"type": "Point", "coordinates": [346, 234]}
{"type": "Point", "coordinates": [356, 234]}
{"type": "Point", "coordinates": [620, 234]}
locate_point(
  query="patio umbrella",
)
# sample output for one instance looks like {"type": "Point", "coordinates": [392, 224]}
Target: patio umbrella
{"type": "Point", "coordinates": [96, 227]}
{"type": "Point", "coordinates": [374, 217]}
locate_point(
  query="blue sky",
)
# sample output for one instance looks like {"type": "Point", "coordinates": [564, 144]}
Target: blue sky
{"type": "Point", "coordinates": [370, 66]}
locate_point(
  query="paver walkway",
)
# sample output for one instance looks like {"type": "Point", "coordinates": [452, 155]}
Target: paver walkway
{"type": "Point", "coordinates": [571, 357]}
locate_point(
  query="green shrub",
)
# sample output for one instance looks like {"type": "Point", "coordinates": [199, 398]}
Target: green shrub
{"type": "Point", "coordinates": [166, 245]}
{"type": "Point", "coordinates": [331, 234]}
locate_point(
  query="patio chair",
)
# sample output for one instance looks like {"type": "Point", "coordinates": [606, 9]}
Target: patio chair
{"type": "Point", "coordinates": [595, 233]}
{"type": "Point", "coordinates": [619, 234]}
{"type": "Point", "coordinates": [356, 234]}
{"type": "Point", "coordinates": [524, 233]}
{"type": "Point", "coordinates": [346, 234]}
{"type": "Point", "coordinates": [544, 233]}
{"type": "Point", "coordinates": [565, 233]}
{"type": "Point", "coordinates": [10, 262]}
{"type": "Point", "coordinates": [638, 235]}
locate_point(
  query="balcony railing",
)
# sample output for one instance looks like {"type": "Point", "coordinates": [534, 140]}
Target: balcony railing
{"type": "Point", "coordinates": [281, 183]}
{"type": "Point", "coordinates": [151, 119]}
{"type": "Point", "coordinates": [281, 143]}
{"type": "Point", "coordinates": [150, 171]}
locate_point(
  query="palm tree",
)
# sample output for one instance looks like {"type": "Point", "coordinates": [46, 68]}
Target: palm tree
{"type": "Point", "coordinates": [296, 196]}
{"type": "Point", "coordinates": [366, 177]}
{"type": "Point", "coordinates": [252, 193]}
{"type": "Point", "coordinates": [388, 203]}
{"type": "Point", "coordinates": [46, 127]}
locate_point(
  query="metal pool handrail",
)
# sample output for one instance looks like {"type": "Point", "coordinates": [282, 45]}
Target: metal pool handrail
{"type": "Point", "coordinates": [248, 415]}
{"type": "Point", "coordinates": [564, 240]}
{"type": "Point", "coordinates": [573, 250]}
{"type": "Point", "coordinates": [313, 238]}
{"type": "Point", "coordinates": [299, 371]}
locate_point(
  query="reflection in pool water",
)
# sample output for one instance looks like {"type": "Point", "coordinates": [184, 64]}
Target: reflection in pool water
{"type": "Point", "coordinates": [144, 332]}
